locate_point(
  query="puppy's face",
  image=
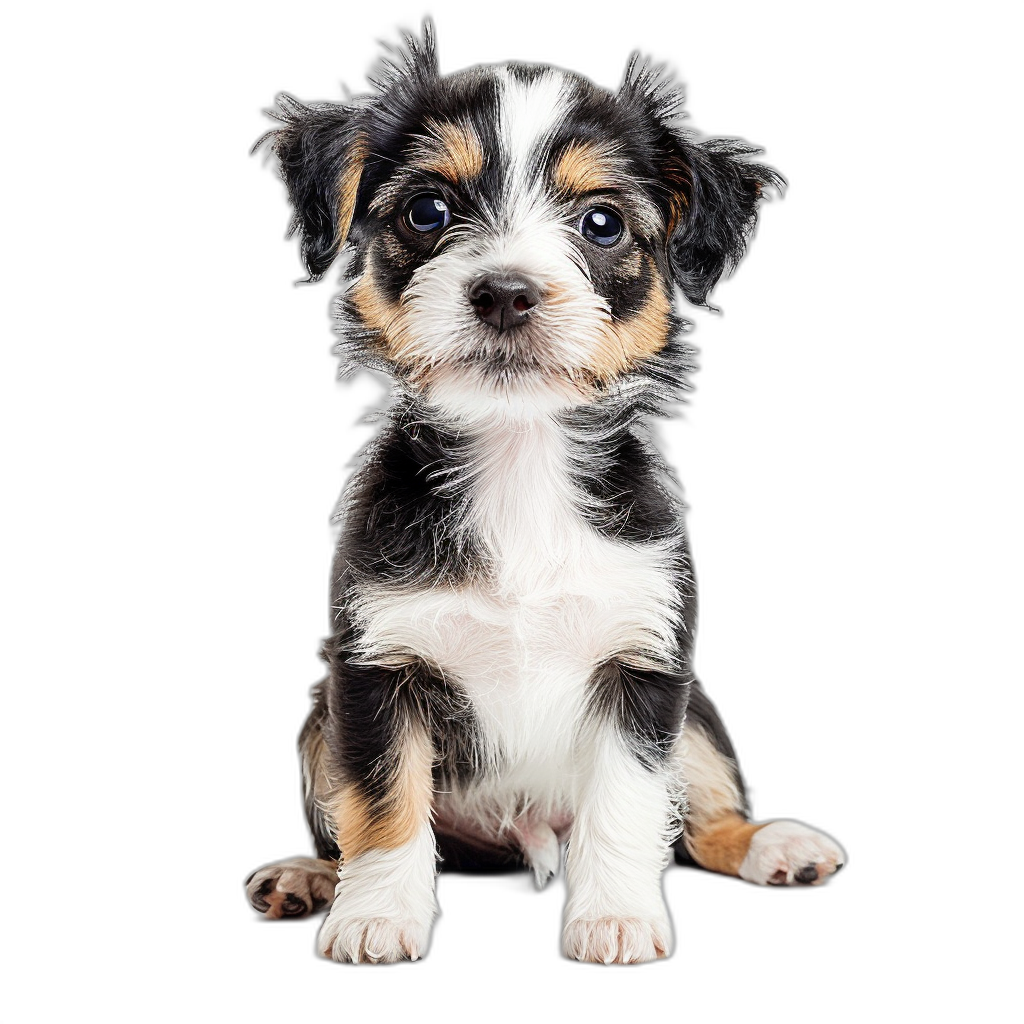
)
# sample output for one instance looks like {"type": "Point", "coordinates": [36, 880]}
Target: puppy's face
{"type": "Point", "coordinates": [509, 247]}
{"type": "Point", "coordinates": [516, 231]}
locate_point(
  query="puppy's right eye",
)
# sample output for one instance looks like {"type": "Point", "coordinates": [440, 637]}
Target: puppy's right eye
{"type": "Point", "coordinates": [601, 226]}
{"type": "Point", "coordinates": [427, 213]}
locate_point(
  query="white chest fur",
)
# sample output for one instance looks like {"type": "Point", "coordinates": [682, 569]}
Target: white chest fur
{"type": "Point", "coordinates": [554, 600]}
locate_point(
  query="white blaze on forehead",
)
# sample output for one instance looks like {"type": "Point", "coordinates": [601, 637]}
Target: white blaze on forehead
{"type": "Point", "coordinates": [529, 113]}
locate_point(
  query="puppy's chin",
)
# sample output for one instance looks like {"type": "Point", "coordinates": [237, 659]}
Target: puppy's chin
{"type": "Point", "coordinates": [492, 389]}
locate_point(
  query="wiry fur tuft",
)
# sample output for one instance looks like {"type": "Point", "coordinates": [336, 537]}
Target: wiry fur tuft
{"type": "Point", "coordinates": [411, 63]}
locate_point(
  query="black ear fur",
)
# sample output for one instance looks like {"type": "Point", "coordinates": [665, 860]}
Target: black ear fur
{"type": "Point", "coordinates": [319, 154]}
{"type": "Point", "coordinates": [720, 190]}
{"type": "Point", "coordinates": [321, 148]}
{"type": "Point", "coordinates": [710, 189]}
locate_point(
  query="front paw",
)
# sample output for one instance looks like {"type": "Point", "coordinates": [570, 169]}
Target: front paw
{"type": "Point", "coordinates": [370, 940]}
{"type": "Point", "coordinates": [616, 940]}
{"type": "Point", "coordinates": [787, 852]}
{"type": "Point", "coordinates": [383, 905]}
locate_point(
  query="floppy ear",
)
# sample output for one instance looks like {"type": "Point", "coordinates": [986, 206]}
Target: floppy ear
{"type": "Point", "coordinates": [710, 190]}
{"type": "Point", "coordinates": [320, 151]}
{"type": "Point", "coordinates": [322, 147]}
{"type": "Point", "coordinates": [721, 190]}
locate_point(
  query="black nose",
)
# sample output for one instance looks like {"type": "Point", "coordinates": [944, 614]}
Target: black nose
{"type": "Point", "coordinates": [503, 300]}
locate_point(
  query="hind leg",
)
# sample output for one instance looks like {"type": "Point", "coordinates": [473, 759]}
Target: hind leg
{"type": "Point", "coordinates": [718, 834]}
{"type": "Point", "coordinates": [292, 888]}
{"type": "Point", "coordinates": [303, 885]}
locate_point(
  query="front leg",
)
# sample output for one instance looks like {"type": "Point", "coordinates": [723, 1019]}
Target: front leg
{"type": "Point", "coordinates": [384, 900]}
{"type": "Point", "coordinates": [626, 812]}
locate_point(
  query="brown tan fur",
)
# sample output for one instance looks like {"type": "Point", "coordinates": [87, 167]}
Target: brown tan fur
{"type": "Point", "coordinates": [451, 150]}
{"type": "Point", "coordinates": [360, 828]}
{"type": "Point", "coordinates": [382, 316]}
{"type": "Point", "coordinates": [348, 188]}
{"type": "Point", "coordinates": [587, 167]}
{"type": "Point", "coordinates": [678, 177]}
{"type": "Point", "coordinates": [721, 845]}
{"type": "Point", "coordinates": [628, 342]}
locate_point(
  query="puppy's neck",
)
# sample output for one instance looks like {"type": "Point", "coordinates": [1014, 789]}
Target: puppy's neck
{"type": "Point", "coordinates": [523, 503]}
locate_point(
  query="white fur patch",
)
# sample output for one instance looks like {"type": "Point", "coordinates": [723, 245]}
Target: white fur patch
{"type": "Point", "coordinates": [528, 114]}
{"type": "Point", "coordinates": [618, 850]}
{"type": "Point", "coordinates": [455, 354]}
{"type": "Point", "coordinates": [383, 904]}
{"type": "Point", "coordinates": [614, 940]}
{"type": "Point", "coordinates": [558, 599]}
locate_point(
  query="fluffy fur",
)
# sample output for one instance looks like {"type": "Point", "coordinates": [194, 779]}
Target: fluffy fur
{"type": "Point", "coordinates": [513, 607]}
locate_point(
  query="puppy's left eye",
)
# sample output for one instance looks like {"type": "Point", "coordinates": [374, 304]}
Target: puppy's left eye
{"type": "Point", "coordinates": [601, 226]}
{"type": "Point", "coordinates": [427, 213]}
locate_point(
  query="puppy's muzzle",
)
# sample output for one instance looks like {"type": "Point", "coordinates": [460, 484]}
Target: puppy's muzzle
{"type": "Point", "coordinates": [503, 300]}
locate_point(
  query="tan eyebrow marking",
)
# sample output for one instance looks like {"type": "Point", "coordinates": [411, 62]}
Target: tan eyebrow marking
{"type": "Point", "coordinates": [587, 167]}
{"type": "Point", "coordinates": [452, 150]}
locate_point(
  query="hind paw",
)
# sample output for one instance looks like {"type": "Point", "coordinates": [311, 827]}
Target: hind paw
{"type": "Point", "coordinates": [292, 888]}
{"type": "Point", "coordinates": [539, 844]}
{"type": "Point", "coordinates": [788, 852]}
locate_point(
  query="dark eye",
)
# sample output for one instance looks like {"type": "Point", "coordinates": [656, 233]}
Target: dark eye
{"type": "Point", "coordinates": [427, 213]}
{"type": "Point", "coordinates": [601, 226]}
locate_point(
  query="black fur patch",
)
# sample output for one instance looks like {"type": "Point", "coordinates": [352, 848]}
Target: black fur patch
{"type": "Point", "coordinates": [619, 467]}
{"type": "Point", "coordinates": [402, 511]}
{"type": "Point", "coordinates": [647, 705]}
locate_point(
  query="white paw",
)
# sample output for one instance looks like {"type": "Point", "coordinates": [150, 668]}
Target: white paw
{"type": "Point", "coordinates": [616, 940]}
{"type": "Point", "coordinates": [383, 905]}
{"type": "Point", "coordinates": [291, 888]}
{"type": "Point", "coordinates": [784, 852]}
{"type": "Point", "coordinates": [370, 940]}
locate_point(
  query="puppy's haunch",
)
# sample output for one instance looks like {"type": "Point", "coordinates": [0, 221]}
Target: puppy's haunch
{"type": "Point", "coordinates": [512, 599]}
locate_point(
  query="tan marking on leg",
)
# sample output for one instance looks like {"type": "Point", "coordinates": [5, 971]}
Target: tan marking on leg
{"type": "Point", "coordinates": [720, 845]}
{"type": "Point", "coordinates": [396, 821]}
{"type": "Point", "coordinates": [716, 833]}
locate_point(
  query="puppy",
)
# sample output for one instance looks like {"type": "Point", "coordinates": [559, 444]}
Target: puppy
{"type": "Point", "coordinates": [513, 606]}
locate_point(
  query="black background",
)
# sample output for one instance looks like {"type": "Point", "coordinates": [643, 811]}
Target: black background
{"type": "Point", "coordinates": [776, 452]}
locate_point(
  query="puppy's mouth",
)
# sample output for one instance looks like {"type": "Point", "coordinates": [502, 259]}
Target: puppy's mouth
{"type": "Point", "coordinates": [506, 342]}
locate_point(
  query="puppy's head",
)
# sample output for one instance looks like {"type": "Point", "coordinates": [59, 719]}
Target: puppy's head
{"type": "Point", "coordinates": [515, 231]}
